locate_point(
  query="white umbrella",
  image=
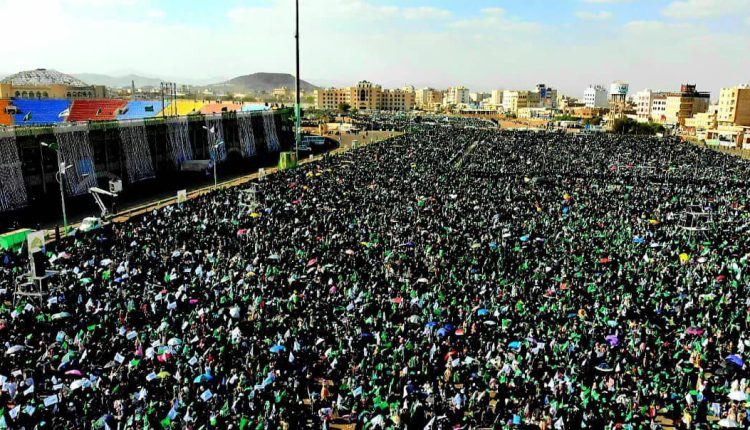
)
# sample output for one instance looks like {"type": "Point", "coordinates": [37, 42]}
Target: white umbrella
{"type": "Point", "coordinates": [77, 384]}
{"type": "Point", "coordinates": [174, 341]}
{"type": "Point", "coordinates": [726, 422]}
{"type": "Point", "coordinates": [738, 396]}
{"type": "Point", "coordinates": [14, 349]}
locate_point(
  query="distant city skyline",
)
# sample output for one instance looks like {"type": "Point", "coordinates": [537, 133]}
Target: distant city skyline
{"type": "Point", "coordinates": [482, 44]}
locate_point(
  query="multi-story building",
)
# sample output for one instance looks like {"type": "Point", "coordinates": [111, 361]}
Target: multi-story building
{"type": "Point", "coordinates": [515, 100]}
{"type": "Point", "coordinates": [456, 96]}
{"type": "Point", "coordinates": [479, 97]}
{"type": "Point", "coordinates": [659, 108]}
{"type": "Point", "coordinates": [685, 104]}
{"type": "Point", "coordinates": [734, 106]}
{"type": "Point", "coordinates": [428, 98]}
{"type": "Point", "coordinates": [595, 96]}
{"type": "Point", "coordinates": [643, 104]}
{"type": "Point", "coordinates": [547, 96]}
{"type": "Point", "coordinates": [365, 96]}
{"type": "Point", "coordinates": [496, 99]}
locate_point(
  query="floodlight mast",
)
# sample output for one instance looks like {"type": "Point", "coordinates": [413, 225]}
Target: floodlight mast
{"type": "Point", "coordinates": [297, 136]}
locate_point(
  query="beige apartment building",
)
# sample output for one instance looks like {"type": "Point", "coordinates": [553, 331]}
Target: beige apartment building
{"type": "Point", "coordinates": [428, 98]}
{"type": "Point", "coordinates": [365, 96]}
{"type": "Point", "coordinates": [734, 106]}
{"type": "Point", "coordinates": [685, 104]}
{"type": "Point", "coordinates": [515, 100]}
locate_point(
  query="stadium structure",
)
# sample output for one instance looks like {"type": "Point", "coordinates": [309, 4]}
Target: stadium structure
{"type": "Point", "coordinates": [151, 146]}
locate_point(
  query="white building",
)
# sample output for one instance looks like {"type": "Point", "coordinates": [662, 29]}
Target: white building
{"type": "Point", "coordinates": [457, 96]}
{"type": "Point", "coordinates": [595, 97]}
{"type": "Point", "coordinates": [644, 101]}
{"type": "Point", "coordinates": [496, 99]}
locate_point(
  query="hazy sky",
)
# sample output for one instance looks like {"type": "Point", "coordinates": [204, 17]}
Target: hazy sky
{"type": "Point", "coordinates": [483, 44]}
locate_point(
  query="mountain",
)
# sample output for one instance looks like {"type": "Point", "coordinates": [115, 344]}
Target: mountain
{"type": "Point", "coordinates": [118, 81]}
{"type": "Point", "coordinates": [263, 82]}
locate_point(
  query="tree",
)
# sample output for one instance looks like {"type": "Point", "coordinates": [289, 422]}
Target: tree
{"type": "Point", "coordinates": [310, 100]}
{"type": "Point", "coordinates": [344, 107]}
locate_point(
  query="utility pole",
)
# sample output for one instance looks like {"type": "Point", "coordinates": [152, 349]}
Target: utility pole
{"type": "Point", "coordinates": [298, 136]}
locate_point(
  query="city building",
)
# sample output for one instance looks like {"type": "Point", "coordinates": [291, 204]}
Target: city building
{"type": "Point", "coordinates": [643, 104]}
{"type": "Point", "coordinates": [515, 100]}
{"type": "Point", "coordinates": [659, 108]}
{"type": "Point", "coordinates": [685, 104]}
{"type": "Point", "coordinates": [536, 113]}
{"type": "Point", "coordinates": [48, 84]}
{"type": "Point", "coordinates": [496, 99]}
{"type": "Point", "coordinates": [595, 97]}
{"type": "Point", "coordinates": [457, 96]}
{"type": "Point", "coordinates": [282, 93]}
{"type": "Point", "coordinates": [547, 96]}
{"type": "Point", "coordinates": [479, 97]}
{"type": "Point", "coordinates": [701, 122]}
{"type": "Point", "coordinates": [428, 98]}
{"type": "Point", "coordinates": [365, 96]}
{"type": "Point", "coordinates": [734, 106]}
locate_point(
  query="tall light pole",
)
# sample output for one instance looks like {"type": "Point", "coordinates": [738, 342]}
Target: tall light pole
{"type": "Point", "coordinates": [215, 147]}
{"type": "Point", "coordinates": [61, 169]}
{"type": "Point", "coordinates": [298, 136]}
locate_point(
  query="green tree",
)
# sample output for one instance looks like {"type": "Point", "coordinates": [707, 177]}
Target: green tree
{"type": "Point", "coordinates": [344, 107]}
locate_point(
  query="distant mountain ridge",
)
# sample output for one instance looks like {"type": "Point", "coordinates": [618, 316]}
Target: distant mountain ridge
{"type": "Point", "coordinates": [118, 81]}
{"type": "Point", "coordinates": [263, 81]}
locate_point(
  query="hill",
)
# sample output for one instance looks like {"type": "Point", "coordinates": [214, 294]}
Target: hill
{"type": "Point", "coordinates": [118, 81]}
{"type": "Point", "coordinates": [257, 82]}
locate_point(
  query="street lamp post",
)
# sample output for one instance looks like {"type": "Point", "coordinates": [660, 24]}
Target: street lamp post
{"type": "Point", "coordinates": [215, 147]}
{"type": "Point", "coordinates": [297, 135]}
{"type": "Point", "coordinates": [61, 169]}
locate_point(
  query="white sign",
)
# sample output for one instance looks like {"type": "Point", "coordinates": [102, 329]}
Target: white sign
{"type": "Point", "coordinates": [35, 241]}
{"type": "Point", "coordinates": [181, 196]}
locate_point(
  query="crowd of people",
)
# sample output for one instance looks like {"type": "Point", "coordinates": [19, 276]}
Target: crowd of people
{"type": "Point", "coordinates": [450, 277]}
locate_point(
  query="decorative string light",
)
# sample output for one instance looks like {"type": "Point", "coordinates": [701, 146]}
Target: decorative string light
{"type": "Point", "coordinates": [12, 187]}
{"type": "Point", "coordinates": [136, 150]}
{"type": "Point", "coordinates": [215, 123]}
{"type": "Point", "coordinates": [179, 140]}
{"type": "Point", "coordinates": [75, 150]}
{"type": "Point", "coordinates": [247, 136]}
{"type": "Point", "coordinates": [269, 127]}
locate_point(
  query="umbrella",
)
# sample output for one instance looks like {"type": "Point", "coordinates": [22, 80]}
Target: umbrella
{"type": "Point", "coordinates": [442, 332]}
{"type": "Point", "coordinates": [431, 324]}
{"type": "Point", "coordinates": [738, 396]}
{"type": "Point", "coordinates": [735, 359]}
{"type": "Point", "coordinates": [422, 280]}
{"type": "Point", "coordinates": [163, 374]}
{"type": "Point", "coordinates": [612, 340]}
{"type": "Point", "coordinates": [727, 423]}
{"type": "Point", "coordinates": [60, 315]}
{"type": "Point", "coordinates": [604, 367]}
{"type": "Point", "coordinates": [414, 319]}
{"type": "Point", "coordinates": [73, 372]}
{"type": "Point", "coordinates": [490, 322]}
{"type": "Point", "coordinates": [278, 348]}
{"type": "Point", "coordinates": [695, 331]}
{"type": "Point", "coordinates": [397, 300]}
{"type": "Point", "coordinates": [482, 312]}
{"type": "Point", "coordinates": [203, 377]}
{"type": "Point", "coordinates": [174, 341]}
{"type": "Point", "coordinates": [349, 252]}
{"type": "Point", "coordinates": [460, 332]}
{"type": "Point", "coordinates": [514, 345]}
{"type": "Point", "coordinates": [14, 349]}
{"type": "Point", "coordinates": [78, 383]}
{"type": "Point", "coordinates": [449, 327]}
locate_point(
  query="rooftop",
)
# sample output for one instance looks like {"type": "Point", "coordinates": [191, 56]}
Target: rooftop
{"type": "Point", "coordinates": [42, 77]}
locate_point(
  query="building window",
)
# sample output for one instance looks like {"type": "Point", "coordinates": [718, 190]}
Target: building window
{"type": "Point", "coordinates": [18, 94]}
{"type": "Point", "coordinates": [25, 95]}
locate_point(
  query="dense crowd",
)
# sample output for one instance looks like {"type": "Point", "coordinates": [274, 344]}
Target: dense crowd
{"type": "Point", "coordinates": [449, 277]}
